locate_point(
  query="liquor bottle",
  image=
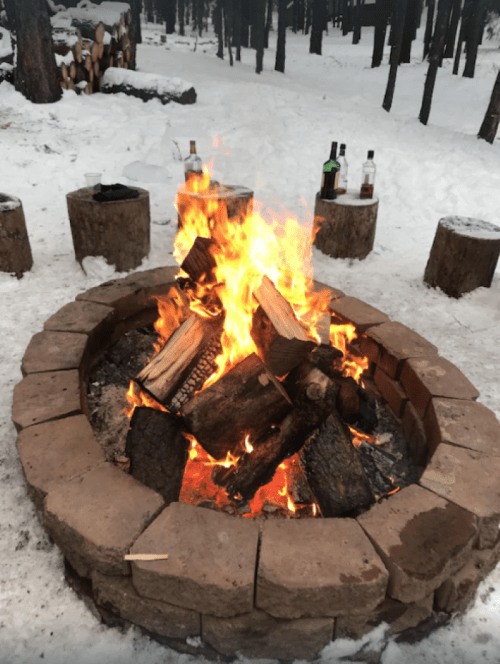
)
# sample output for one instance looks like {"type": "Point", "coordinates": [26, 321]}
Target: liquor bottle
{"type": "Point", "coordinates": [368, 177]}
{"type": "Point", "coordinates": [342, 186]}
{"type": "Point", "coordinates": [329, 181]}
{"type": "Point", "coordinates": [192, 163]}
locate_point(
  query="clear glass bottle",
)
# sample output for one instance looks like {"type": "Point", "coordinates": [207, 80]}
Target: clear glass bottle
{"type": "Point", "coordinates": [342, 186]}
{"type": "Point", "coordinates": [192, 163]}
{"type": "Point", "coordinates": [330, 176]}
{"type": "Point", "coordinates": [368, 176]}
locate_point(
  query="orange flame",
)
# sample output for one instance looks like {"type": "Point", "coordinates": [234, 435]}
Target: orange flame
{"type": "Point", "coordinates": [137, 397]}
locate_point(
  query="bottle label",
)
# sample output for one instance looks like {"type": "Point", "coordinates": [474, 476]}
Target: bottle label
{"type": "Point", "coordinates": [330, 165]}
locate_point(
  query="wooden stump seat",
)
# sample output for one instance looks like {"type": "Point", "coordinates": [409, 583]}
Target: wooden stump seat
{"type": "Point", "coordinates": [345, 226]}
{"type": "Point", "coordinates": [463, 256]}
{"type": "Point", "coordinates": [117, 230]}
{"type": "Point", "coordinates": [236, 199]}
{"type": "Point", "coordinates": [15, 249]}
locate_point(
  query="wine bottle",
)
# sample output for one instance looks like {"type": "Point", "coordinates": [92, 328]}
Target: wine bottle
{"type": "Point", "coordinates": [192, 163]}
{"type": "Point", "coordinates": [329, 181]}
{"type": "Point", "coordinates": [342, 186]}
{"type": "Point", "coordinates": [368, 177]}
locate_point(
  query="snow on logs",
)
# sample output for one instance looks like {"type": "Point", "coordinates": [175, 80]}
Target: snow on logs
{"type": "Point", "coordinates": [148, 86]}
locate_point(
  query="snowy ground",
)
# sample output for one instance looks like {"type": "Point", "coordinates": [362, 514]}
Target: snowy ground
{"type": "Point", "coordinates": [274, 133]}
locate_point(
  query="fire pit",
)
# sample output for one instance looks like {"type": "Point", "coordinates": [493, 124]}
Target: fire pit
{"type": "Point", "coordinates": [231, 585]}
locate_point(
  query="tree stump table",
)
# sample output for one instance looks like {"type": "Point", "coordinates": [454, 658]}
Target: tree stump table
{"type": "Point", "coordinates": [15, 249]}
{"type": "Point", "coordinates": [345, 226]}
{"type": "Point", "coordinates": [237, 200]}
{"type": "Point", "coordinates": [118, 230]}
{"type": "Point", "coordinates": [463, 256]}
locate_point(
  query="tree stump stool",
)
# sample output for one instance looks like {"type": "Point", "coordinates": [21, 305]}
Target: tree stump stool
{"type": "Point", "coordinates": [15, 249]}
{"type": "Point", "coordinates": [237, 200]}
{"type": "Point", "coordinates": [345, 227]}
{"type": "Point", "coordinates": [117, 230]}
{"type": "Point", "coordinates": [463, 256]}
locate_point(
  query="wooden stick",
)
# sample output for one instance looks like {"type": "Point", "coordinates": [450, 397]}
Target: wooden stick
{"type": "Point", "coordinates": [145, 556]}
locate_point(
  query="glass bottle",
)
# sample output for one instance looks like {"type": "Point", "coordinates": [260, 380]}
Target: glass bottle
{"type": "Point", "coordinates": [329, 181]}
{"type": "Point", "coordinates": [368, 177]}
{"type": "Point", "coordinates": [342, 186]}
{"type": "Point", "coordinates": [192, 163]}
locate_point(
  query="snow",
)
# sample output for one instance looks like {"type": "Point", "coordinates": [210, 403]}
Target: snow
{"type": "Point", "coordinates": [144, 81]}
{"type": "Point", "coordinates": [5, 43]}
{"type": "Point", "coordinates": [273, 132]}
{"type": "Point", "coordinates": [107, 12]}
{"type": "Point", "coordinates": [476, 228]}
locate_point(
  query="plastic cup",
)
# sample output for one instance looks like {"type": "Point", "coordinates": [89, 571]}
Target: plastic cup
{"type": "Point", "coordinates": [93, 180]}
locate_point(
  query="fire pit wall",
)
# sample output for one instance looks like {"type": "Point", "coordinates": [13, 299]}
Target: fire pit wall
{"type": "Point", "coordinates": [280, 588]}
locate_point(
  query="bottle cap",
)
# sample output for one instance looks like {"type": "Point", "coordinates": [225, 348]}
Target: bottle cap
{"type": "Point", "coordinates": [342, 146]}
{"type": "Point", "coordinates": [370, 154]}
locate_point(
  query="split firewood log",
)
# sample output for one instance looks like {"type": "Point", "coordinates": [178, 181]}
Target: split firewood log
{"type": "Point", "coordinates": [200, 259]}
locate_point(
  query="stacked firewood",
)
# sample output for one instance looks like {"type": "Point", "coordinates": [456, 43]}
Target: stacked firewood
{"type": "Point", "coordinates": [86, 47]}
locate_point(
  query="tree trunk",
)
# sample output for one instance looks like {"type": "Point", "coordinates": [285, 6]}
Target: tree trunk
{"type": "Point", "coordinates": [476, 23]}
{"type": "Point", "coordinates": [398, 19]}
{"type": "Point", "coordinates": [36, 74]}
{"type": "Point", "coordinates": [149, 11]}
{"type": "Point", "coordinates": [381, 15]}
{"type": "Point", "coordinates": [308, 15]}
{"type": "Point", "coordinates": [228, 28]}
{"type": "Point", "coordinates": [258, 28]}
{"type": "Point", "coordinates": [237, 28]}
{"type": "Point", "coordinates": [181, 12]}
{"type": "Point", "coordinates": [136, 7]}
{"type": "Point", "coordinates": [451, 34]}
{"type": "Point", "coordinates": [358, 17]}
{"type": "Point", "coordinates": [409, 32]}
{"type": "Point", "coordinates": [269, 23]}
{"type": "Point", "coordinates": [280, 46]}
{"type": "Point", "coordinates": [489, 126]}
{"type": "Point", "coordinates": [218, 28]}
{"type": "Point", "coordinates": [200, 10]}
{"type": "Point", "coordinates": [245, 24]}
{"type": "Point", "coordinates": [464, 30]}
{"type": "Point", "coordinates": [317, 26]}
{"type": "Point", "coordinates": [437, 46]}
{"type": "Point", "coordinates": [301, 15]}
{"type": "Point", "coordinates": [345, 17]}
{"type": "Point", "coordinates": [170, 16]}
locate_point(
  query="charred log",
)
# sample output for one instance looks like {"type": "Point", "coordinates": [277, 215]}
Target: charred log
{"type": "Point", "coordinates": [200, 260]}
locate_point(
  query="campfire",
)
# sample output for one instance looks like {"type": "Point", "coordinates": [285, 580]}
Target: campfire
{"type": "Point", "coordinates": [253, 400]}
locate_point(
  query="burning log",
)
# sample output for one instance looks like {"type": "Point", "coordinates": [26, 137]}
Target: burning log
{"type": "Point", "coordinates": [277, 333]}
{"type": "Point", "coordinates": [158, 451]}
{"type": "Point", "coordinates": [248, 400]}
{"type": "Point", "coordinates": [174, 310]}
{"type": "Point", "coordinates": [200, 260]}
{"type": "Point", "coordinates": [334, 470]}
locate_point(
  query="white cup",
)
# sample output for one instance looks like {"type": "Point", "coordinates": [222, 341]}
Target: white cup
{"type": "Point", "coordinates": [93, 181]}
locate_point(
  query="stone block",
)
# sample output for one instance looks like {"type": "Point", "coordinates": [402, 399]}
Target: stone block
{"type": "Point", "coordinates": [361, 314]}
{"type": "Point", "coordinates": [422, 538]}
{"type": "Point", "coordinates": [398, 343]}
{"type": "Point", "coordinates": [117, 593]}
{"type": "Point", "coordinates": [41, 397]}
{"type": "Point", "coordinates": [414, 433]}
{"type": "Point", "coordinates": [211, 564]}
{"type": "Point", "coordinates": [54, 452]}
{"type": "Point", "coordinates": [81, 316]}
{"type": "Point", "coordinates": [95, 518]}
{"type": "Point", "coordinates": [369, 348]}
{"type": "Point", "coordinates": [391, 391]}
{"type": "Point", "coordinates": [316, 568]}
{"type": "Point", "coordinates": [463, 423]}
{"type": "Point", "coordinates": [258, 634]}
{"type": "Point", "coordinates": [468, 479]}
{"type": "Point", "coordinates": [53, 351]}
{"type": "Point", "coordinates": [426, 377]}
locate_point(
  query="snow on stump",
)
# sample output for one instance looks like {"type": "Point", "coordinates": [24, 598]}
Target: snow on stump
{"type": "Point", "coordinates": [345, 227]}
{"type": "Point", "coordinates": [118, 230]}
{"type": "Point", "coordinates": [463, 256]}
{"type": "Point", "coordinates": [148, 86]}
{"type": "Point", "coordinates": [15, 249]}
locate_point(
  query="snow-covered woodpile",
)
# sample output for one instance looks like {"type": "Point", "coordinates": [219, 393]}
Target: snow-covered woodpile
{"type": "Point", "coordinates": [89, 39]}
{"type": "Point", "coordinates": [148, 86]}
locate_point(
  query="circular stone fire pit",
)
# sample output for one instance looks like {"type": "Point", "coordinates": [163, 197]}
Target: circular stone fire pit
{"type": "Point", "coordinates": [233, 585]}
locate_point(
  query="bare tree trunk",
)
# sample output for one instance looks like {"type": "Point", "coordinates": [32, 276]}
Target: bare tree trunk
{"type": "Point", "coordinates": [429, 24]}
{"type": "Point", "coordinates": [476, 22]}
{"type": "Point", "coordinates": [409, 32]}
{"type": "Point", "coordinates": [237, 28]}
{"type": "Point", "coordinates": [181, 12]}
{"type": "Point", "coordinates": [463, 32]}
{"type": "Point", "coordinates": [228, 27]}
{"type": "Point", "coordinates": [301, 15]}
{"type": "Point", "coordinates": [269, 23]}
{"type": "Point", "coordinates": [218, 28]}
{"type": "Point", "coordinates": [308, 15]}
{"type": "Point", "coordinates": [382, 14]}
{"type": "Point", "coordinates": [149, 11]}
{"type": "Point", "coordinates": [358, 17]}
{"type": "Point", "coordinates": [317, 26]}
{"type": "Point", "coordinates": [259, 35]}
{"type": "Point", "coordinates": [451, 34]}
{"type": "Point", "coordinates": [245, 23]}
{"type": "Point", "coordinates": [489, 126]}
{"type": "Point", "coordinates": [170, 16]}
{"type": "Point", "coordinates": [437, 47]}
{"type": "Point", "coordinates": [36, 75]}
{"type": "Point", "coordinates": [346, 18]}
{"type": "Point", "coordinates": [398, 23]}
{"type": "Point", "coordinates": [280, 47]}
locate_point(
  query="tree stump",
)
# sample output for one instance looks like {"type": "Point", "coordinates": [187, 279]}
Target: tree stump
{"type": "Point", "coordinates": [15, 250]}
{"type": "Point", "coordinates": [237, 200]}
{"type": "Point", "coordinates": [463, 256]}
{"type": "Point", "coordinates": [345, 227]}
{"type": "Point", "coordinates": [117, 230]}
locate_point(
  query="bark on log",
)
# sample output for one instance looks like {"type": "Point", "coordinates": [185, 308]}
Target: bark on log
{"type": "Point", "coordinates": [345, 227]}
{"type": "Point", "coordinates": [15, 249]}
{"type": "Point", "coordinates": [117, 230]}
{"type": "Point", "coordinates": [248, 400]}
{"type": "Point", "coordinates": [463, 256]}
{"type": "Point", "coordinates": [200, 260]}
{"type": "Point", "coordinates": [158, 451]}
{"type": "Point", "coordinates": [281, 340]}
{"type": "Point", "coordinates": [334, 470]}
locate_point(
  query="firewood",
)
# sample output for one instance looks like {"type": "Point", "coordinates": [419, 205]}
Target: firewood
{"type": "Point", "coordinates": [77, 51]}
{"type": "Point", "coordinates": [173, 309]}
{"type": "Point", "coordinates": [100, 47]}
{"type": "Point", "coordinates": [81, 73]}
{"type": "Point", "coordinates": [64, 72]}
{"type": "Point", "coordinates": [70, 83]}
{"type": "Point", "coordinates": [281, 339]}
{"type": "Point", "coordinates": [200, 260]}
{"type": "Point", "coordinates": [87, 61]}
{"type": "Point", "coordinates": [96, 68]}
{"type": "Point", "coordinates": [99, 33]}
{"type": "Point", "coordinates": [72, 71]}
{"type": "Point", "coordinates": [334, 470]}
{"type": "Point", "coordinates": [94, 52]}
{"type": "Point", "coordinates": [246, 401]}
{"type": "Point", "coordinates": [158, 451]}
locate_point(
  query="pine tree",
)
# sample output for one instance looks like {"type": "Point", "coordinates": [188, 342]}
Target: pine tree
{"type": "Point", "coordinates": [259, 34]}
{"type": "Point", "coordinates": [280, 47]}
{"type": "Point", "coordinates": [317, 26]}
{"type": "Point", "coordinates": [358, 18]}
{"type": "Point", "coordinates": [476, 24]}
{"type": "Point", "coordinates": [382, 10]}
{"type": "Point", "coordinates": [398, 24]}
{"type": "Point", "coordinates": [489, 126]}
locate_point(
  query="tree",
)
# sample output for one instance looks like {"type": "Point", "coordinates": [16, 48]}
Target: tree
{"type": "Point", "coordinates": [269, 23]}
{"type": "Point", "coordinates": [429, 24]}
{"type": "Point", "coordinates": [317, 26]}
{"type": "Point", "coordinates": [181, 12]}
{"type": "Point", "coordinates": [228, 27]}
{"type": "Point", "coordinates": [410, 31]}
{"type": "Point", "coordinates": [217, 18]}
{"type": "Point", "coordinates": [437, 46]}
{"type": "Point", "coordinates": [36, 75]}
{"type": "Point", "coordinates": [259, 34]}
{"type": "Point", "coordinates": [280, 46]}
{"type": "Point", "coordinates": [358, 18]}
{"type": "Point", "coordinates": [451, 33]}
{"type": "Point", "coordinates": [237, 28]}
{"type": "Point", "coordinates": [464, 29]}
{"type": "Point", "coordinates": [398, 24]}
{"type": "Point", "coordinates": [476, 24]}
{"type": "Point", "coordinates": [489, 126]}
{"type": "Point", "coordinates": [170, 11]}
{"type": "Point", "coordinates": [382, 10]}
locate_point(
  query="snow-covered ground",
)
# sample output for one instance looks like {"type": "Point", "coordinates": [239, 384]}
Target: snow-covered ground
{"type": "Point", "coordinates": [270, 132]}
